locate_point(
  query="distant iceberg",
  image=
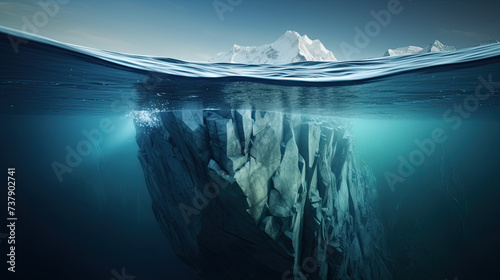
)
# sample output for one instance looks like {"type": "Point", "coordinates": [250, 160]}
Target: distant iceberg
{"type": "Point", "coordinates": [489, 42]}
{"type": "Point", "coordinates": [436, 46]}
{"type": "Point", "coordinates": [403, 51]}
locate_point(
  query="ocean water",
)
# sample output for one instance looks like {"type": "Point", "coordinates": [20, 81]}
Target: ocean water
{"type": "Point", "coordinates": [428, 126]}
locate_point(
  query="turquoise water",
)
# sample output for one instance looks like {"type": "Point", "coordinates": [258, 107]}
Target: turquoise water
{"type": "Point", "coordinates": [428, 126]}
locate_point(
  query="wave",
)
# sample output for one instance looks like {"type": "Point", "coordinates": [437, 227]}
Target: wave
{"type": "Point", "coordinates": [301, 72]}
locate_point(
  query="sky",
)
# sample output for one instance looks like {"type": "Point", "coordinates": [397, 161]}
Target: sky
{"type": "Point", "coordinates": [196, 30]}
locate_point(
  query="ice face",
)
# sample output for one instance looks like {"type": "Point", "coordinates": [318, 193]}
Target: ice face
{"type": "Point", "coordinates": [246, 194]}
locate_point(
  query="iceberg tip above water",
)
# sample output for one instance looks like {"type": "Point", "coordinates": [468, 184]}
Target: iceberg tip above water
{"type": "Point", "coordinates": [299, 72]}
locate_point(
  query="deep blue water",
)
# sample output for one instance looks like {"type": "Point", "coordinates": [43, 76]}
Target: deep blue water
{"type": "Point", "coordinates": [442, 220]}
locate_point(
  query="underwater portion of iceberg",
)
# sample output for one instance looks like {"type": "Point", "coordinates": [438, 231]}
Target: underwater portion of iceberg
{"type": "Point", "coordinates": [245, 194]}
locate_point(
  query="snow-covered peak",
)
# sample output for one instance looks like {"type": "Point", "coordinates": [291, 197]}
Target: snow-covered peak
{"type": "Point", "coordinates": [290, 36]}
{"type": "Point", "coordinates": [438, 47]}
{"type": "Point", "coordinates": [489, 42]}
{"type": "Point", "coordinates": [290, 47]}
{"type": "Point", "coordinates": [403, 51]}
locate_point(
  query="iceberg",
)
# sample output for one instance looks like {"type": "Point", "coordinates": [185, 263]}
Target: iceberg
{"type": "Point", "coordinates": [403, 51]}
{"type": "Point", "coordinates": [247, 194]}
{"type": "Point", "coordinates": [436, 46]}
{"type": "Point", "coordinates": [489, 42]}
{"type": "Point", "coordinates": [290, 47]}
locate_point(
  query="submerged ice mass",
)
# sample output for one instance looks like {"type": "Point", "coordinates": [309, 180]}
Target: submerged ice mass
{"type": "Point", "coordinates": [246, 194]}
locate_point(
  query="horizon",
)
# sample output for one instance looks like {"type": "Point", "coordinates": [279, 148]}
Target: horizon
{"type": "Point", "coordinates": [199, 30]}
{"type": "Point", "coordinates": [313, 39]}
